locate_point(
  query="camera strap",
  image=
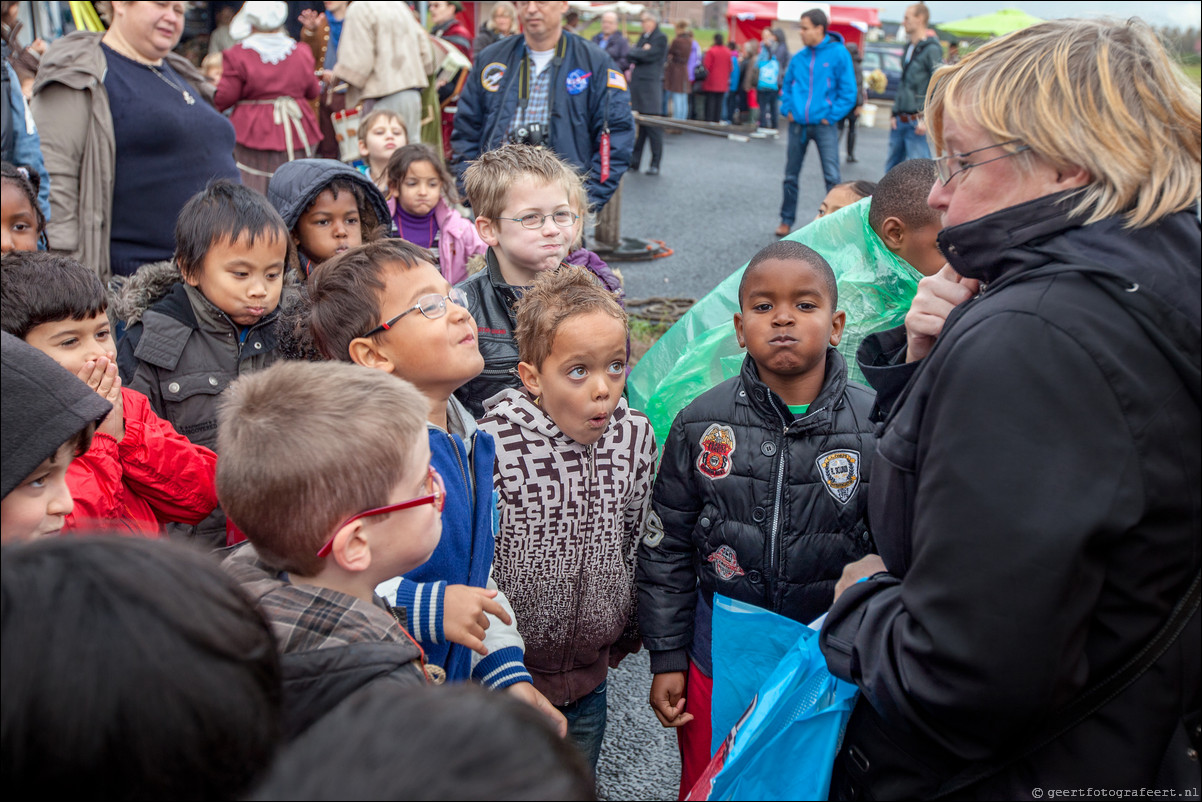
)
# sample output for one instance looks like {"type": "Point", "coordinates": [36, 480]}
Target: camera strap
{"type": "Point", "coordinates": [524, 77]}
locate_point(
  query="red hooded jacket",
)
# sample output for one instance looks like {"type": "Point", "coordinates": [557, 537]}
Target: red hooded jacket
{"type": "Point", "coordinates": [153, 476]}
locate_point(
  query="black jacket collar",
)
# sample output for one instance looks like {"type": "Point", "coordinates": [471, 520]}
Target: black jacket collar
{"type": "Point", "coordinates": [769, 406]}
{"type": "Point", "coordinates": [991, 246]}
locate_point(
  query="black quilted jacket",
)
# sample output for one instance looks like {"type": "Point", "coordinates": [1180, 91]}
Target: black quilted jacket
{"type": "Point", "coordinates": [756, 505]}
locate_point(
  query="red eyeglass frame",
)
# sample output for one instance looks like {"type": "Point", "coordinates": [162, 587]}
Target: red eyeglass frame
{"type": "Point", "coordinates": [437, 497]}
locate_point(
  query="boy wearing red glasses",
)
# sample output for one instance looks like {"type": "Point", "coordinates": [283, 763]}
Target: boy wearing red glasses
{"type": "Point", "coordinates": [357, 504]}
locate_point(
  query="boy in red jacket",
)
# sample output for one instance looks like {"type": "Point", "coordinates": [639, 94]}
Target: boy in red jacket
{"type": "Point", "coordinates": [139, 471]}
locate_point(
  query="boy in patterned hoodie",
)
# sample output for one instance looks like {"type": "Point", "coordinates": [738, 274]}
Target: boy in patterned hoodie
{"type": "Point", "coordinates": [574, 469]}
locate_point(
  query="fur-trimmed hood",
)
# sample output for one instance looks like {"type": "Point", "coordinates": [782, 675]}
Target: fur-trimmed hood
{"type": "Point", "coordinates": [135, 294]}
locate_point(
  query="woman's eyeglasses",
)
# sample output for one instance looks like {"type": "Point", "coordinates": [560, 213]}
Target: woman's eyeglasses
{"type": "Point", "coordinates": [437, 496]}
{"type": "Point", "coordinates": [536, 220]}
{"type": "Point", "coordinates": [432, 306]}
{"type": "Point", "coordinates": [943, 165]}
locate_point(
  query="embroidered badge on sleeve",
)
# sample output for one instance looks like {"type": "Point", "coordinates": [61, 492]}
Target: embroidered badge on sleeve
{"type": "Point", "coordinates": [491, 75]}
{"type": "Point", "coordinates": [717, 447]}
{"type": "Point", "coordinates": [616, 80]}
{"type": "Point", "coordinates": [840, 471]}
{"type": "Point", "coordinates": [577, 81]}
{"type": "Point", "coordinates": [653, 530]}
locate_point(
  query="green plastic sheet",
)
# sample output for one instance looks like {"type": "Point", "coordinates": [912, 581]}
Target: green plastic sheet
{"type": "Point", "coordinates": [700, 350]}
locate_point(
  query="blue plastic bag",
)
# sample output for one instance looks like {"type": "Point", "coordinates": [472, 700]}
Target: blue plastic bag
{"type": "Point", "coordinates": [783, 742]}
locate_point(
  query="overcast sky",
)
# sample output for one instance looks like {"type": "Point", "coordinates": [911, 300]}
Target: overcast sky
{"type": "Point", "coordinates": [1181, 14]}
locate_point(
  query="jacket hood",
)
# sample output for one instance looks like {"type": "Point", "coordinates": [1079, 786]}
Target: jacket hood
{"type": "Point", "coordinates": [154, 281]}
{"type": "Point", "coordinates": [832, 38]}
{"type": "Point", "coordinates": [75, 60]}
{"type": "Point", "coordinates": [137, 293]}
{"type": "Point", "coordinates": [331, 644]}
{"type": "Point", "coordinates": [1031, 234]}
{"type": "Point", "coordinates": [43, 407]}
{"type": "Point", "coordinates": [297, 183]}
{"type": "Point", "coordinates": [519, 408]}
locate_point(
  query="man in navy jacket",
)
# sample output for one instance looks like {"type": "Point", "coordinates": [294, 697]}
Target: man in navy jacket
{"type": "Point", "coordinates": [548, 87]}
{"type": "Point", "coordinates": [819, 90]}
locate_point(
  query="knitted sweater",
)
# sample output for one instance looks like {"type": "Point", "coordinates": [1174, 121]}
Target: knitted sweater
{"type": "Point", "coordinates": [571, 517]}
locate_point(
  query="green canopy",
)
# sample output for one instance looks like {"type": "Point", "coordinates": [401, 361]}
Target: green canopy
{"type": "Point", "coordinates": [1000, 23]}
{"type": "Point", "coordinates": [700, 350]}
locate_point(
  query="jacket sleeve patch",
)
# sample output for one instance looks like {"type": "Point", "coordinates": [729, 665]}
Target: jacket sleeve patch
{"type": "Point", "coordinates": [491, 75]}
{"type": "Point", "coordinates": [577, 81]}
{"type": "Point", "coordinates": [717, 448]}
{"type": "Point", "coordinates": [840, 472]}
{"type": "Point", "coordinates": [653, 530]}
{"type": "Point", "coordinates": [616, 80]}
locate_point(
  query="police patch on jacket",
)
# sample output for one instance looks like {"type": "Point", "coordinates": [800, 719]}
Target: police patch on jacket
{"type": "Point", "coordinates": [717, 447]}
{"type": "Point", "coordinates": [840, 471]}
{"type": "Point", "coordinates": [653, 530]}
{"type": "Point", "coordinates": [726, 563]}
{"type": "Point", "coordinates": [491, 75]}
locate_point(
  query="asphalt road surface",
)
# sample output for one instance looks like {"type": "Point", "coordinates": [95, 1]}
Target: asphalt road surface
{"type": "Point", "coordinates": [715, 203]}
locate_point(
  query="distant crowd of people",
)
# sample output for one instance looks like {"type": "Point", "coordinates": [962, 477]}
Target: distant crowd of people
{"type": "Point", "coordinates": [296, 452]}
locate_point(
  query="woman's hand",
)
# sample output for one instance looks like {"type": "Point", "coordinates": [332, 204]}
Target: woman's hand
{"type": "Point", "coordinates": [854, 572]}
{"type": "Point", "coordinates": [937, 296]}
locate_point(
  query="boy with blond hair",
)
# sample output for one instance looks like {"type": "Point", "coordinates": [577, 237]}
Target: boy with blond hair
{"type": "Point", "coordinates": [530, 207]}
{"type": "Point", "coordinates": [387, 307]}
{"type": "Point", "coordinates": [329, 516]}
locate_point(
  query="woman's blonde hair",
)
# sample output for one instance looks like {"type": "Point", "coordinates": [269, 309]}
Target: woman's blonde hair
{"type": "Point", "coordinates": [507, 9]}
{"type": "Point", "coordinates": [1097, 94]}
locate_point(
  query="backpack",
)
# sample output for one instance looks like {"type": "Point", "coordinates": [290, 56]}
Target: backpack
{"type": "Point", "coordinates": [769, 75]}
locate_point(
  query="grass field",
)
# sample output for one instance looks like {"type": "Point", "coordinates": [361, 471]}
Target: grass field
{"type": "Point", "coordinates": [1193, 72]}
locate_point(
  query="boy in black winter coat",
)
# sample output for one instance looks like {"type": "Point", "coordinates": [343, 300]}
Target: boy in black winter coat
{"type": "Point", "coordinates": [760, 495]}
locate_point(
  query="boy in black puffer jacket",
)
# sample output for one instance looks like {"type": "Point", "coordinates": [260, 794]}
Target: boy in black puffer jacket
{"type": "Point", "coordinates": [760, 495]}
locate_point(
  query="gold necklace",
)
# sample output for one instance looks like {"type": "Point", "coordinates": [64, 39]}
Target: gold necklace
{"type": "Point", "coordinates": [187, 95]}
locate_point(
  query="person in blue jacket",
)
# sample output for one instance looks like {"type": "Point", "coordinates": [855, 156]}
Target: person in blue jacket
{"type": "Point", "coordinates": [22, 145]}
{"type": "Point", "coordinates": [819, 90]}
{"type": "Point", "coordinates": [548, 87]}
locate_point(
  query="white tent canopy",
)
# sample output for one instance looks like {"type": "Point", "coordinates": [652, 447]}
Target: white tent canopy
{"type": "Point", "coordinates": [624, 8]}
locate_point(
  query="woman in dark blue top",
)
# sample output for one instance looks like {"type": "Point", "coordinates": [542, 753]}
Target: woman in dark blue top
{"type": "Point", "coordinates": [129, 134]}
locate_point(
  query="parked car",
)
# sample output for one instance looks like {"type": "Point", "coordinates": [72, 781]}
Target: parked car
{"type": "Point", "coordinates": [887, 59]}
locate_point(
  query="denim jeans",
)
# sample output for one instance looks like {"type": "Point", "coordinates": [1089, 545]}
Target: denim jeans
{"type": "Point", "coordinates": [768, 101]}
{"type": "Point", "coordinates": [827, 138]}
{"type": "Point", "coordinates": [680, 104]}
{"type": "Point", "coordinates": [904, 145]}
{"type": "Point", "coordinates": [586, 723]}
{"type": "Point", "coordinates": [731, 105]}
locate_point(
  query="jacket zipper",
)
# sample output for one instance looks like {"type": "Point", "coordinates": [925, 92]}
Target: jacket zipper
{"type": "Point", "coordinates": [776, 502]}
{"type": "Point", "coordinates": [773, 546]}
{"type": "Point", "coordinates": [469, 480]}
{"type": "Point", "coordinates": [810, 88]}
